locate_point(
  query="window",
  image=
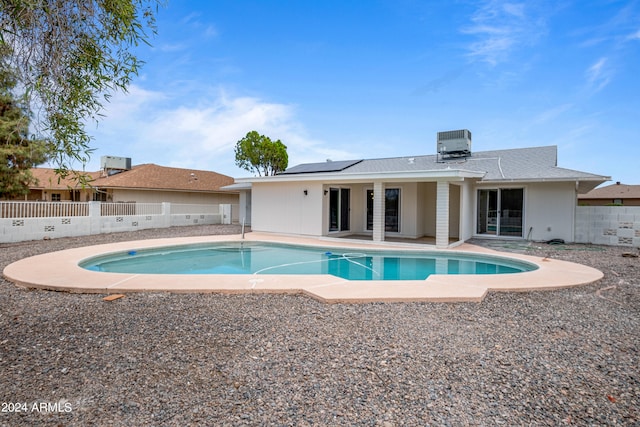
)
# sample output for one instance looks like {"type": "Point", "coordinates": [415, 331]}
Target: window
{"type": "Point", "coordinates": [55, 197]}
{"type": "Point", "coordinates": [99, 196]}
{"type": "Point", "coordinates": [391, 209]}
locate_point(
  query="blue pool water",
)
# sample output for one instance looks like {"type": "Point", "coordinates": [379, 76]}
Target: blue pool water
{"type": "Point", "coordinates": [272, 258]}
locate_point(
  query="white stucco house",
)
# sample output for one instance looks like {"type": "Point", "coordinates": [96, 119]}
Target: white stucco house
{"type": "Point", "coordinates": [451, 196]}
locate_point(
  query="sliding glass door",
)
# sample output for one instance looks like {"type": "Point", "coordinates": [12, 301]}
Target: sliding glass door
{"type": "Point", "coordinates": [339, 209]}
{"type": "Point", "coordinates": [391, 209]}
{"type": "Point", "coordinates": [500, 212]}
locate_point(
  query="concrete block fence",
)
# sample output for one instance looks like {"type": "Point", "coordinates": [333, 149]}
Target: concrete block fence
{"type": "Point", "coordinates": [608, 225]}
{"type": "Point", "coordinates": [22, 221]}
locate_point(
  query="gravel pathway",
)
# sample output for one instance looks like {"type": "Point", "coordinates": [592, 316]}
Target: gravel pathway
{"type": "Point", "coordinates": [566, 357]}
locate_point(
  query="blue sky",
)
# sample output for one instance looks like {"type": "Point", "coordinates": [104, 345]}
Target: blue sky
{"type": "Point", "coordinates": [351, 79]}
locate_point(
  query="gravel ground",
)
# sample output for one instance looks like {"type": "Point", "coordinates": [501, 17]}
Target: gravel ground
{"type": "Point", "coordinates": [566, 357]}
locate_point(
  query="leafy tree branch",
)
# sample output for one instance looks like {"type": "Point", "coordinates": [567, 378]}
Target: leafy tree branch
{"type": "Point", "coordinates": [257, 153]}
{"type": "Point", "coordinates": [69, 57]}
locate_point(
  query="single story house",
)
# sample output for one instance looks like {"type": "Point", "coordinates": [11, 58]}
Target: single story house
{"type": "Point", "coordinates": [612, 195]}
{"type": "Point", "coordinates": [50, 186]}
{"type": "Point", "coordinates": [146, 183]}
{"type": "Point", "coordinates": [451, 196]}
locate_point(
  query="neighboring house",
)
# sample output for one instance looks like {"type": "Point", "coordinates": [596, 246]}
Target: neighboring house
{"type": "Point", "coordinates": [452, 196]}
{"type": "Point", "coordinates": [52, 187]}
{"type": "Point", "coordinates": [152, 183]}
{"type": "Point", "coordinates": [146, 183]}
{"type": "Point", "coordinates": [614, 194]}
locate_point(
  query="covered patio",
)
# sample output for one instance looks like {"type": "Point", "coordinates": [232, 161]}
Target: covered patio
{"type": "Point", "coordinates": [437, 211]}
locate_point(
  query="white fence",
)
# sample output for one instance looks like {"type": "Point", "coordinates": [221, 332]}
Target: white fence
{"type": "Point", "coordinates": [608, 225]}
{"type": "Point", "coordinates": [22, 221]}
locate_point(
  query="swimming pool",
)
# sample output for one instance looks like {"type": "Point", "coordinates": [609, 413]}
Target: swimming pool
{"type": "Point", "coordinates": [61, 271]}
{"type": "Point", "coordinates": [259, 258]}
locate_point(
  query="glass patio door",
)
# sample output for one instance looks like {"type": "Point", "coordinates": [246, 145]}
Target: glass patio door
{"type": "Point", "coordinates": [500, 212]}
{"type": "Point", "coordinates": [339, 209]}
{"type": "Point", "coordinates": [391, 209]}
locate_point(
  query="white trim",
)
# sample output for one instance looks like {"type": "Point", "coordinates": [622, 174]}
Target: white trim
{"type": "Point", "coordinates": [497, 188]}
{"type": "Point", "coordinates": [347, 178]}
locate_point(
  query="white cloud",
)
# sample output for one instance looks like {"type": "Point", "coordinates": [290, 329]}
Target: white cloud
{"type": "Point", "coordinates": [153, 127]}
{"type": "Point", "coordinates": [500, 27]}
{"type": "Point", "coordinates": [598, 75]}
{"type": "Point", "coordinates": [194, 20]}
{"type": "Point", "coordinates": [551, 114]}
{"type": "Point", "coordinates": [211, 31]}
{"type": "Point", "coordinates": [634, 36]}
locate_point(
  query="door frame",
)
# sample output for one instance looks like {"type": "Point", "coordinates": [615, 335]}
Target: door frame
{"type": "Point", "coordinates": [343, 212]}
{"type": "Point", "coordinates": [500, 219]}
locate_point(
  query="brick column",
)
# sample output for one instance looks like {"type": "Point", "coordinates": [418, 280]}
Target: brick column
{"type": "Point", "coordinates": [378, 211]}
{"type": "Point", "coordinates": [442, 215]}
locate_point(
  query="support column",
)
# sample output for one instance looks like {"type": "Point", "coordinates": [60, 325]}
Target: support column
{"type": "Point", "coordinates": [442, 215]}
{"type": "Point", "coordinates": [378, 211]}
{"type": "Point", "coordinates": [166, 214]}
{"type": "Point", "coordinates": [95, 218]}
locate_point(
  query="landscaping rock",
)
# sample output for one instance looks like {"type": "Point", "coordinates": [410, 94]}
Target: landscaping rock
{"type": "Point", "coordinates": [562, 357]}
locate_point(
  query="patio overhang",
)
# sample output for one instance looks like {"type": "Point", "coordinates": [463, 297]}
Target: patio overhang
{"type": "Point", "coordinates": [583, 185]}
{"type": "Point", "coordinates": [404, 176]}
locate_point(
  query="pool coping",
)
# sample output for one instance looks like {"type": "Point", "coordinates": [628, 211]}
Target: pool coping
{"type": "Point", "coordinates": [59, 271]}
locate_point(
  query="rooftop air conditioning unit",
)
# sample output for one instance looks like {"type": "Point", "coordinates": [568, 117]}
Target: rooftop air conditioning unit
{"type": "Point", "coordinates": [454, 143]}
{"type": "Point", "coordinates": [115, 163]}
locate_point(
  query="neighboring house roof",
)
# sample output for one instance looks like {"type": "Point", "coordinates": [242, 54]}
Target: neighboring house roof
{"type": "Point", "coordinates": [153, 177]}
{"type": "Point", "coordinates": [145, 177]}
{"type": "Point", "coordinates": [614, 191]}
{"type": "Point", "coordinates": [520, 164]}
{"type": "Point", "coordinates": [48, 179]}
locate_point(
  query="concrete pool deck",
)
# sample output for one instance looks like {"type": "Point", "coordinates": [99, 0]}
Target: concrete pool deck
{"type": "Point", "coordinates": [59, 271]}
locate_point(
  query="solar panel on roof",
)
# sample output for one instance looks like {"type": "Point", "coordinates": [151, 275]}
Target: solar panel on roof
{"type": "Point", "coordinates": [321, 167]}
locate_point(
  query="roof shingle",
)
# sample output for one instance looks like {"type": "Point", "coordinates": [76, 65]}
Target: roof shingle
{"type": "Point", "coordinates": [534, 163]}
{"type": "Point", "coordinates": [146, 176]}
{"type": "Point", "coordinates": [614, 191]}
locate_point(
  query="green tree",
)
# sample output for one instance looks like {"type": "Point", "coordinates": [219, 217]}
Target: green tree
{"type": "Point", "coordinates": [257, 153]}
{"type": "Point", "coordinates": [69, 56]}
{"type": "Point", "coordinates": [18, 153]}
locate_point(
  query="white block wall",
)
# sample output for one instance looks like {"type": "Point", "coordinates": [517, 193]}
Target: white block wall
{"type": "Point", "coordinates": [608, 225]}
{"type": "Point", "coordinates": [38, 228]}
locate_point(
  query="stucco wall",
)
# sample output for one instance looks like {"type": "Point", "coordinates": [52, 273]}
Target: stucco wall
{"type": "Point", "coordinates": [284, 208]}
{"type": "Point", "coordinates": [428, 219]}
{"type": "Point", "coordinates": [467, 211]}
{"type": "Point", "coordinates": [358, 208]}
{"type": "Point", "coordinates": [142, 196]}
{"type": "Point", "coordinates": [409, 210]}
{"type": "Point", "coordinates": [549, 211]}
